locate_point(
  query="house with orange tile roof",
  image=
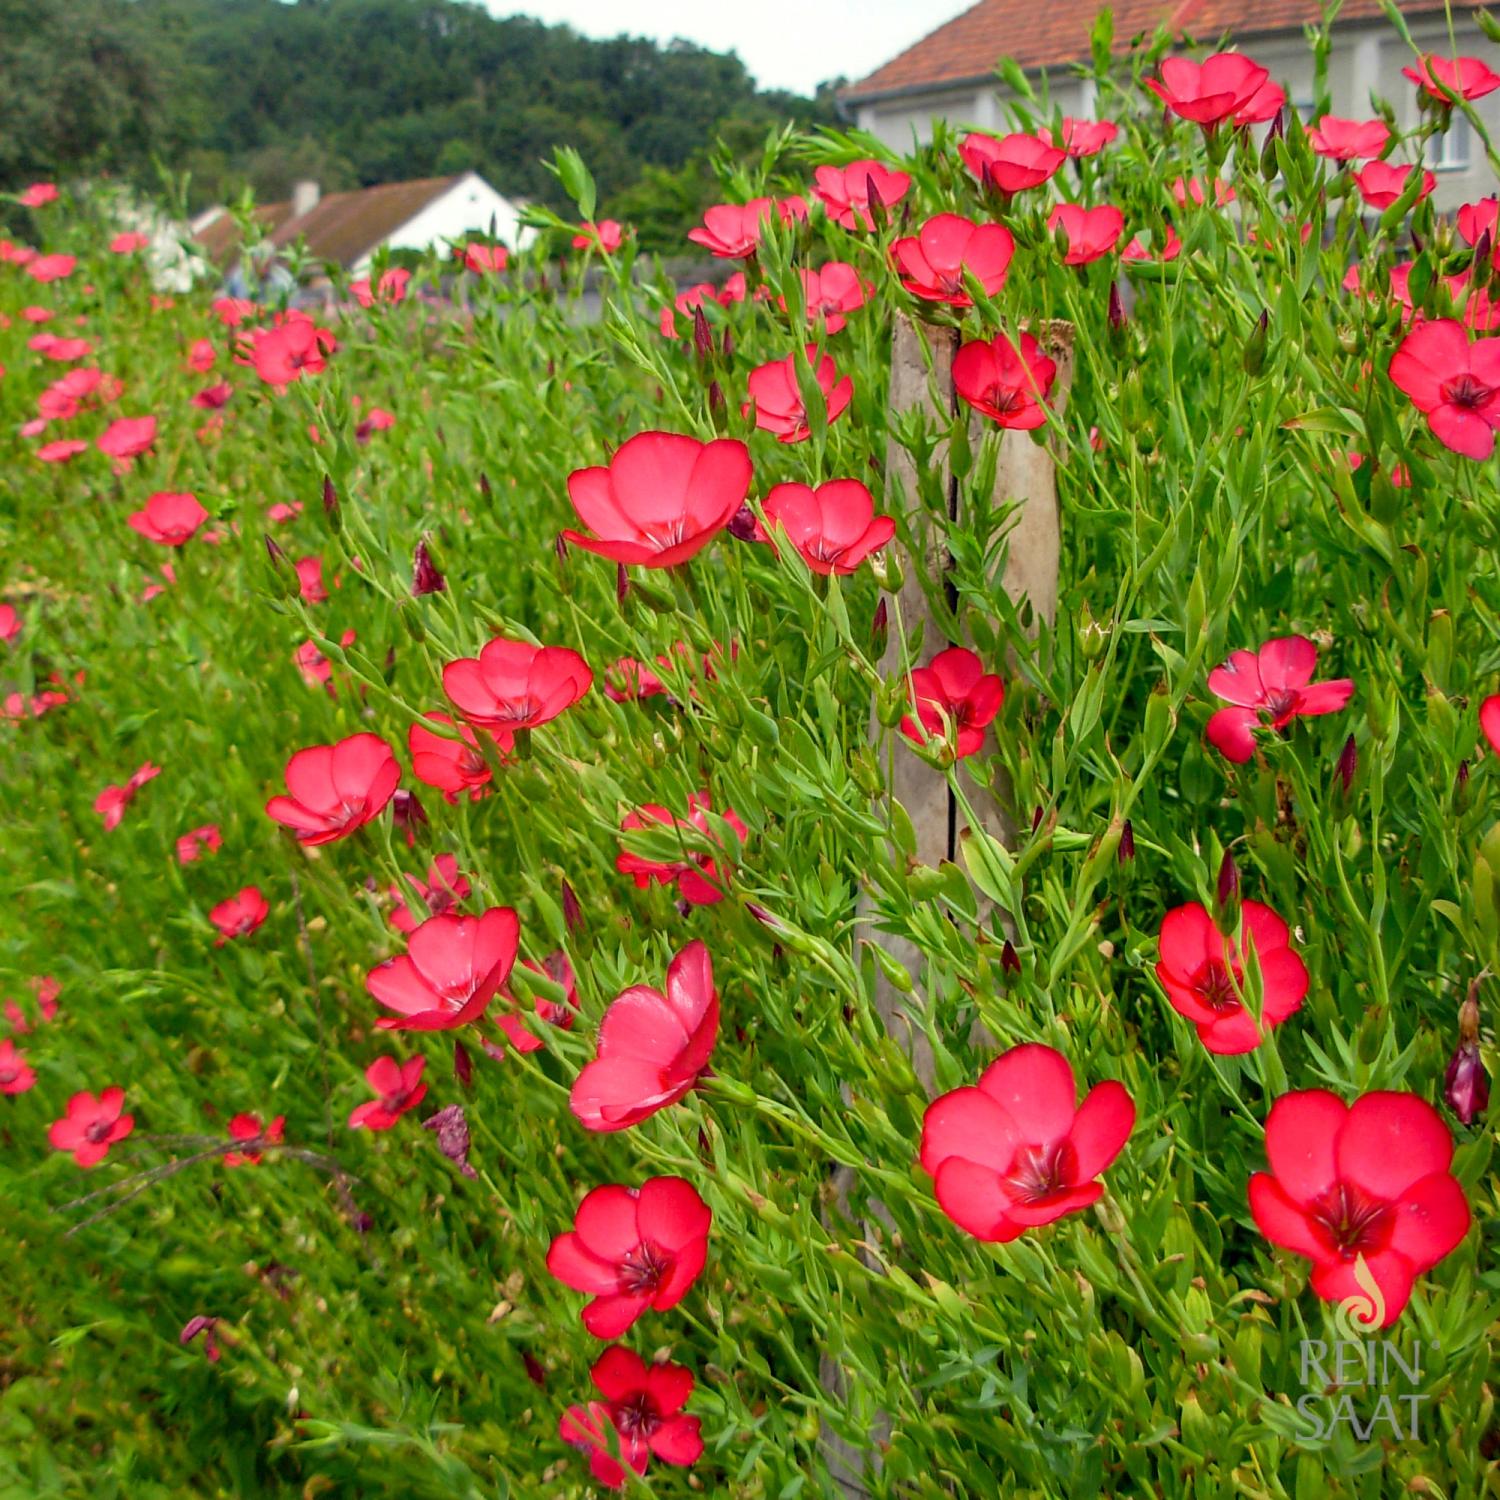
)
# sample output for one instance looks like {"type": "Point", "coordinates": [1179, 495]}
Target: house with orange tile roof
{"type": "Point", "coordinates": [950, 73]}
{"type": "Point", "coordinates": [348, 228]}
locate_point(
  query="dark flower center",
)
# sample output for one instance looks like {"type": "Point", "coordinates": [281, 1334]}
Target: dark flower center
{"type": "Point", "coordinates": [1006, 398]}
{"type": "Point", "coordinates": [1040, 1171]}
{"type": "Point", "coordinates": [8, 1074]}
{"type": "Point", "coordinates": [394, 1103]}
{"type": "Point", "coordinates": [1218, 988]}
{"type": "Point", "coordinates": [644, 1270]}
{"type": "Point", "coordinates": [98, 1131]}
{"type": "Point", "coordinates": [1281, 704]}
{"type": "Point", "coordinates": [515, 710]}
{"type": "Point", "coordinates": [471, 762]}
{"type": "Point", "coordinates": [636, 1417]}
{"type": "Point", "coordinates": [1355, 1222]}
{"type": "Point", "coordinates": [1464, 390]}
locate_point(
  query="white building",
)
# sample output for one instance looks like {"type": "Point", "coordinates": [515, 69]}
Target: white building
{"type": "Point", "coordinates": [950, 73]}
{"type": "Point", "coordinates": [349, 228]}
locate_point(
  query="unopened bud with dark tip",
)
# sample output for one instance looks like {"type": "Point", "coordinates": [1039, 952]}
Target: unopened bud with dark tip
{"type": "Point", "coordinates": [726, 345]}
{"type": "Point", "coordinates": [715, 397]}
{"type": "Point", "coordinates": [703, 335]}
{"type": "Point", "coordinates": [560, 547]}
{"type": "Point", "coordinates": [274, 551]}
{"type": "Point", "coordinates": [1228, 893]}
{"type": "Point", "coordinates": [1348, 764]}
{"type": "Point", "coordinates": [880, 627]}
{"type": "Point", "coordinates": [1010, 960]}
{"type": "Point", "coordinates": [878, 214]}
{"type": "Point", "coordinates": [1482, 248]}
{"type": "Point", "coordinates": [407, 813]}
{"type": "Point", "coordinates": [742, 524]}
{"type": "Point", "coordinates": [484, 486]}
{"type": "Point", "coordinates": [1461, 788]}
{"type": "Point", "coordinates": [1125, 852]}
{"type": "Point", "coordinates": [1117, 318]}
{"type": "Point", "coordinates": [572, 911]}
{"type": "Point", "coordinates": [1036, 819]}
{"type": "Point", "coordinates": [331, 502]}
{"type": "Point", "coordinates": [622, 583]}
{"type": "Point", "coordinates": [535, 1373]}
{"type": "Point", "coordinates": [425, 578]}
{"type": "Point", "coordinates": [463, 1064]}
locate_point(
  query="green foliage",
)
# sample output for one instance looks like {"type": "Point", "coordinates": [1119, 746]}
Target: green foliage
{"type": "Point", "coordinates": [355, 92]}
{"type": "Point", "coordinates": [1150, 1345]}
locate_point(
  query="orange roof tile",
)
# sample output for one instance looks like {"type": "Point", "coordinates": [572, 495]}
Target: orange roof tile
{"type": "Point", "coordinates": [1039, 34]}
{"type": "Point", "coordinates": [342, 227]}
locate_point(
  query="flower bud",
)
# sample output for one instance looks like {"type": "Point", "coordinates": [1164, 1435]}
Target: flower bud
{"type": "Point", "coordinates": [742, 525]}
{"type": "Point", "coordinates": [463, 1064]}
{"type": "Point", "coordinates": [1348, 764]}
{"type": "Point", "coordinates": [1126, 850]}
{"type": "Point", "coordinates": [887, 569]}
{"type": "Point", "coordinates": [703, 335]}
{"type": "Point", "coordinates": [572, 911]}
{"type": "Point", "coordinates": [407, 814]}
{"type": "Point", "coordinates": [879, 628]}
{"type": "Point", "coordinates": [484, 486]}
{"type": "Point", "coordinates": [1010, 960]}
{"type": "Point", "coordinates": [1117, 318]}
{"type": "Point", "coordinates": [1466, 1087]}
{"type": "Point", "coordinates": [331, 504]}
{"type": "Point", "coordinates": [622, 583]}
{"type": "Point", "coordinates": [425, 578]}
{"type": "Point", "coordinates": [1228, 893]}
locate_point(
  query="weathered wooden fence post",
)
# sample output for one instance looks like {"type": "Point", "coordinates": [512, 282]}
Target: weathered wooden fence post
{"type": "Point", "coordinates": [1025, 479]}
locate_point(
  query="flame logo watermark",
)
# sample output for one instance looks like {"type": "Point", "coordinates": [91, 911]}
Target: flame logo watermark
{"type": "Point", "coordinates": [1358, 1315]}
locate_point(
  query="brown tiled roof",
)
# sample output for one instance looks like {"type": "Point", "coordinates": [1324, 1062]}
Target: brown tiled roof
{"type": "Point", "coordinates": [346, 226]}
{"type": "Point", "coordinates": [1047, 33]}
{"type": "Point", "coordinates": [220, 237]}
{"type": "Point", "coordinates": [342, 227]}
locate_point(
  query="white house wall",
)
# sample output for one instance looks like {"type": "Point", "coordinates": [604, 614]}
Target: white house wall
{"type": "Point", "coordinates": [468, 207]}
{"type": "Point", "coordinates": [1363, 58]}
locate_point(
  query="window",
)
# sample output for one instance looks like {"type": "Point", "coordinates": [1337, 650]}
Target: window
{"type": "Point", "coordinates": [1449, 152]}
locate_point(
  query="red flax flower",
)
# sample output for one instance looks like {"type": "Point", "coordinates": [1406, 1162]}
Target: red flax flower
{"type": "Point", "coordinates": [335, 789]}
{"type": "Point", "coordinates": [1381, 183]}
{"type": "Point", "coordinates": [390, 288]}
{"type": "Point", "coordinates": [1456, 384]}
{"type": "Point", "coordinates": [249, 1128]}
{"type": "Point", "coordinates": [1348, 140]}
{"type": "Point", "coordinates": [1209, 92]}
{"type": "Point", "coordinates": [643, 1403]}
{"type": "Point", "coordinates": [833, 527]}
{"type": "Point", "coordinates": [1012, 163]}
{"type": "Point", "coordinates": [776, 397]}
{"type": "Point", "coordinates": [732, 231]}
{"type": "Point", "coordinates": [830, 293]}
{"type": "Point", "coordinates": [1091, 232]}
{"type": "Point", "coordinates": [111, 803]}
{"type": "Point", "coordinates": [454, 766]}
{"type": "Point", "coordinates": [240, 915]}
{"type": "Point", "coordinates": [482, 259]}
{"type": "Point", "coordinates": [606, 235]}
{"type": "Point", "coordinates": [442, 890]}
{"type": "Point", "coordinates": [45, 268]}
{"type": "Point", "coordinates": [662, 498]}
{"type": "Point", "coordinates": [127, 437]}
{"type": "Point", "coordinates": [1084, 137]}
{"type": "Point", "coordinates": [198, 840]}
{"type": "Point", "coordinates": [953, 696]}
{"type": "Point", "coordinates": [91, 1126]}
{"type": "Point", "coordinates": [284, 354]}
{"type": "Point", "coordinates": [15, 1076]}
{"type": "Point", "coordinates": [652, 1046]}
{"type": "Point", "coordinates": [1019, 1151]}
{"type": "Point", "coordinates": [932, 264]}
{"type": "Point", "coordinates": [1272, 687]}
{"type": "Point", "coordinates": [1203, 973]}
{"type": "Point", "coordinates": [1489, 721]}
{"type": "Point", "coordinates": [1264, 104]}
{"type": "Point", "coordinates": [451, 970]}
{"type": "Point", "coordinates": [1367, 1182]}
{"type": "Point", "coordinates": [848, 192]}
{"type": "Point", "coordinates": [128, 243]}
{"type": "Point", "coordinates": [633, 1249]}
{"type": "Point", "coordinates": [1467, 77]}
{"type": "Point", "coordinates": [514, 685]}
{"type": "Point", "coordinates": [700, 881]}
{"type": "Point", "coordinates": [10, 623]}
{"type": "Point", "coordinates": [169, 518]}
{"type": "Point", "coordinates": [1007, 384]}
{"type": "Point", "coordinates": [398, 1087]}
{"type": "Point", "coordinates": [553, 1012]}
{"type": "Point", "coordinates": [38, 195]}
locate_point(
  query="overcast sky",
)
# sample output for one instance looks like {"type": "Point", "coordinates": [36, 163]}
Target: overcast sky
{"type": "Point", "coordinates": [787, 44]}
